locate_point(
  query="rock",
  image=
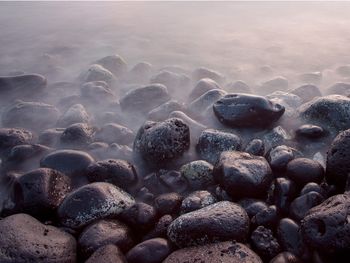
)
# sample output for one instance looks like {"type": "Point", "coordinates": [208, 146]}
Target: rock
{"type": "Point", "coordinates": [159, 142]}
{"type": "Point", "coordinates": [310, 131]}
{"type": "Point", "coordinates": [162, 112]}
{"type": "Point", "coordinates": [140, 216]}
{"type": "Point", "coordinates": [41, 191]}
{"type": "Point", "coordinates": [265, 244]}
{"type": "Point", "coordinates": [238, 86]}
{"type": "Point", "coordinates": [309, 187]}
{"type": "Point", "coordinates": [10, 137]}
{"type": "Point", "coordinates": [243, 110]}
{"type": "Point", "coordinates": [105, 232]}
{"type": "Point", "coordinates": [229, 251]}
{"type": "Point", "coordinates": [288, 100]}
{"type": "Point", "coordinates": [283, 193]}
{"type": "Point", "coordinates": [140, 73]}
{"type": "Point", "coordinates": [252, 206]}
{"type": "Point", "coordinates": [201, 73]}
{"type": "Point", "coordinates": [173, 81]}
{"type": "Point", "coordinates": [217, 222]}
{"type": "Point", "coordinates": [168, 204]}
{"type": "Point", "coordinates": [69, 162]}
{"type": "Point", "coordinates": [275, 84]}
{"type": "Point", "coordinates": [75, 114]}
{"type": "Point", "coordinates": [195, 127]}
{"type": "Point", "coordinates": [275, 137]}
{"type": "Point", "coordinates": [339, 88]}
{"type": "Point", "coordinates": [25, 239]}
{"type": "Point", "coordinates": [160, 229]}
{"type": "Point", "coordinates": [21, 86]}
{"type": "Point", "coordinates": [267, 217]}
{"type": "Point", "coordinates": [307, 92]}
{"type": "Point", "coordinates": [97, 94]}
{"type": "Point", "coordinates": [201, 87]}
{"type": "Point", "coordinates": [302, 204]}
{"type": "Point", "coordinates": [311, 77]}
{"type": "Point", "coordinates": [114, 133]}
{"type": "Point", "coordinates": [145, 98]}
{"type": "Point", "coordinates": [197, 200]}
{"type": "Point", "coordinates": [242, 174]}
{"type": "Point", "coordinates": [115, 64]}
{"type": "Point", "coordinates": [107, 254]}
{"type": "Point", "coordinates": [331, 112]}
{"type": "Point", "coordinates": [118, 172]}
{"type": "Point", "coordinates": [255, 147]}
{"type": "Point", "coordinates": [78, 208]}
{"type": "Point", "coordinates": [77, 136]}
{"type": "Point", "coordinates": [204, 103]}
{"type": "Point", "coordinates": [199, 174]}
{"type": "Point", "coordinates": [212, 143]}
{"type": "Point", "coordinates": [50, 137]}
{"type": "Point", "coordinates": [98, 73]}
{"type": "Point", "coordinates": [279, 156]}
{"type": "Point", "coordinates": [285, 257]}
{"type": "Point", "coordinates": [303, 171]}
{"type": "Point", "coordinates": [338, 154]}
{"type": "Point", "coordinates": [150, 251]}
{"type": "Point", "coordinates": [326, 227]}
{"type": "Point", "coordinates": [343, 70]}
{"type": "Point", "coordinates": [30, 115]}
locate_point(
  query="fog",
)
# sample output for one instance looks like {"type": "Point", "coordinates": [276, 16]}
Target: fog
{"type": "Point", "coordinates": [235, 38]}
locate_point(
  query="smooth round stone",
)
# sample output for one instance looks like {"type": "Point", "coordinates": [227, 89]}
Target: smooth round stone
{"type": "Point", "coordinates": [69, 162]}
{"type": "Point", "coordinates": [168, 203]}
{"type": "Point", "coordinates": [243, 175]}
{"type": "Point", "coordinates": [309, 187]}
{"type": "Point", "coordinates": [284, 192]}
{"type": "Point", "coordinates": [338, 165]}
{"type": "Point", "coordinates": [303, 171]}
{"type": "Point", "coordinates": [77, 136]}
{"type": "Point", "coordinates": [228, 252]}
{"type": "Point", "coordinates": [311, 77]}
{"type": "Point", "coordinates": [343, 70]}
{"type": "Point", "coordinates": [255, 147]}
{"type": "Point", "coordinates": [275, 137]}
{"type": "Point", "coordinates": [302, 204]}
{"type": "Point", "coordinates": [199, 174]}
{"type": "Point", "coordinates": [118, 172]}
{"type": "Point", "coordinates": [197, 200]}
{"type": "Point", "coordinates": [30, 115]}
{"type": "Point", "coordinates": [217, 222]}
{"type": "Point", "coordinates": [265, 244]}
{"type": "Point", "coordinates": [140, 216]}
{"type": "Point", "coordinates": [288, 100]}
{"type": "Point", "coordinates": [279, 156]}
{"type": "Point", "coordinates": [238, 86]}
{"type": "Point", "coordinates": [50, 137]}
{"type": "Point", "coordinates": [267, 217]}
{"type": "Point", "coordinates": [75, 114]}
{"type": "Point", "coordinates": [212, 143]}
{"type": "Point", "coordinates": [78, 208]}
{"type": "Point", "coordinates": [25, 239]}
{"type": "Point", "coordinates": [115, 64]}
{"type": "Point", "coordinates": [310, 131]}
{"type": "Point", "coordinates": [150, 251]}
{"type": "Point", "coordinates": [326, 227]}
{"type": "Point", "coordinates": [204, 103]}
{"type": "Point", "coordinates": [96, 94]}
{"type": "Point", "coordinates": [41, 191]}
{"type": "Point", "coordinates": [104, 232]}
{"type": "Point", "coordinates": [173, 81]}
{"type": "Point", "coordinates": [98, 73]}
{"type": "Point", "coordinates": [307, 92]}
{"type": "Point", "coordinates": [243, 110]}
{"type": "Point", "coordinates": [10, 137]}
{"type": "Point", "coordinates": [276, 84]}
{"type": "Point", "coordinates": [285, 257]}
{"type": "Point", "coordinates": [331, 112]}
{"type": "Point", "coordinates": [107, 254]}
{"type": "Point", "coordinates": [144, 99]}
{"type": "Point", "coordinates": [339, 88]}
{"type": "Point", "coordinates": [201, 87]}
{"type": "Point", "coordinates": [159, 142]}
{"type": "Point", "coordinates": [252, 206]}
{"type": "Point", "coordinates": [140, 73]}
{"type": "Point", "coordinates": [114, 133]}
{"type": "Point", "coordinates": [162, 111]}
{"type": "Point", "coordinates": [202, 72]}
{"type": "Point", "coordinates": [289, 236]}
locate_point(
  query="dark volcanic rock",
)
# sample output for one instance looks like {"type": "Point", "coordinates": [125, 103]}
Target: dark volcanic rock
{"type": "Point", "coordinates": [150, 251]}
{"type": "Point", "coordinates": [199, 174]}
{"type": "Point", "coordinates": [331, 112]}
{"type": "Point", "coordinates": [118, 172]}
{"type": "Point", "coordinates": [10, 137]}
{"type": "Point", "coordinates": [255, 147]}
{"type": "Point", "coordinates": [217, 222]}
{"type": "Point", "coordinates": [197, 200]}
{"type": "Point", "coordinates": [279, 156]}
{"type": "Point", "coordinates": [77, 136]}
{"type": "Point", "coordinates": [242, 174]}
{"type": "Point", "coordinates": [107, 254]}
{"type": "Point", "coordinates": [302, 204]}
{"type": "Point", "coordinates": [303, 171]}
{"type": "Point", "coordinates": [30, 115]}
{"type": "Point", "coordinates": [41, 191]}
{"type": "Point", "coordinates": [243, 110]}
{"type": "Point", "coordinates": [145, 98]}
{"type": "Point", "coordinates": [326, 227]}
{"type": "Point", "coordinates": [212, 143]}
{"type": "Point", "coordinates": [338, 165]}
{"type": "Point", "coordinates": [104, 232]}
{"type": "Point", "coordinates": [265, 243]}
{"type": "Point", "coordinates": [91, 202]}
{"type": "Point", "coordinates": [159, 142]}
{"type": "Point", "coordinates": [226, 252]}
{"type": "Point", "coordinates": [168, 203]}
{"type": "Point", "coordinates": [24, 239]}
